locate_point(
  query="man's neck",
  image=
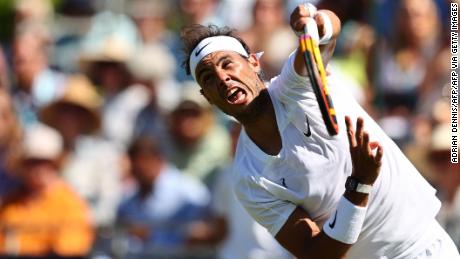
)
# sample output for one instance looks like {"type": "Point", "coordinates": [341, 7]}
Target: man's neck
{"type": "Point", "coordinates": [262, 127]}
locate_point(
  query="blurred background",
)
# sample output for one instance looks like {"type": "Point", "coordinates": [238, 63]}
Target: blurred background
{"type": "Point", "coordinates": [107, 149]}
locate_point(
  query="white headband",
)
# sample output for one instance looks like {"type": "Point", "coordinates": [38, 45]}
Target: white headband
{"type": "Point", "coordinates": [213, 44]}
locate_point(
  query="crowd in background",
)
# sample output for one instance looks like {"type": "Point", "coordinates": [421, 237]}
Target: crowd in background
{"type": "Point", "coordinates": [108, 150]}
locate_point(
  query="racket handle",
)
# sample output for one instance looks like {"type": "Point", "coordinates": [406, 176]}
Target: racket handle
{"type": "Point", "coordinates": [311, 29]}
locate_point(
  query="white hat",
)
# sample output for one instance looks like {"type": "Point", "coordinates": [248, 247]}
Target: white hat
{"type": "Point", "coordinates": [41, 142]}
{"type": "Point", "coordinates": [440, 138]}
{"type": "Point", "coordinates": [190, 93]}
{"type": "Point", "coordinates": [111, 38]}
{"type": "Point", "coordinates": [153, 62]}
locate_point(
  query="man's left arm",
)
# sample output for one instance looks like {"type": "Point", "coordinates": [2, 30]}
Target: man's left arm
{"type": "Point", "coordinates": [299, 18]}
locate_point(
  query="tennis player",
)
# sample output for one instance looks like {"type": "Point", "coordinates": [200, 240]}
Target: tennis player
{"type": "Point", "coordinates": [321, 196]}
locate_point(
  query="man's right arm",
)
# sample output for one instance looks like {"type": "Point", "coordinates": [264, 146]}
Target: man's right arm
{"type": "Point", "coordinates": [299, 18]}
{"type": "Point", "coordinates": [302, 237]}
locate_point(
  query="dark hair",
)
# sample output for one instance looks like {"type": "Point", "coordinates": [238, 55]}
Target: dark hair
{"type": "Point", "coordinates": [144, 145]}
{"type": "Point", "coordinates": [193, 34]}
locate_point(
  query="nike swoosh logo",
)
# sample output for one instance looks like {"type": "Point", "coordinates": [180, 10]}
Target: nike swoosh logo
{"type": "Point", "coordinates": [283, 182]}
{"type": "Point", "coordinates": [308, 133]}
{"type": "Point", "coordinates": [332, 224]}
{"type": "Point", "coordinates": [199, 51]}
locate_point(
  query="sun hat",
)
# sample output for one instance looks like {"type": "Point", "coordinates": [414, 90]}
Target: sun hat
{"type": "Point", "coordinates": [41, 142]}
{"type": "Point", "coordinates": [81, 93]}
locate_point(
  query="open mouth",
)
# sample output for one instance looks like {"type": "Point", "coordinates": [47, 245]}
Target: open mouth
{"type": "Point", "coordinates": [236, 95]}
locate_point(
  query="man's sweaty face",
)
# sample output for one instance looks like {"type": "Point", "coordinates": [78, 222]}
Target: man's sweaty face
{"type": "Point", "coordinates": [229, 80]}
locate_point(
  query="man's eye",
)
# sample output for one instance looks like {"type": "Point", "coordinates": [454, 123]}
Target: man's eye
{"type": "Point", "coordinates": [226, 63]}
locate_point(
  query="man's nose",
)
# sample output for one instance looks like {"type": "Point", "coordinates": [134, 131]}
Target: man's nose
{"type": "Point", "coordinates": [222, 75]}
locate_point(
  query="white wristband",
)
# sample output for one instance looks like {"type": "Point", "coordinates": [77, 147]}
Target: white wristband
{"type": "Point", "coordinates": [346, 222]}
{"type": "Point", "coordinates": [328, 30]}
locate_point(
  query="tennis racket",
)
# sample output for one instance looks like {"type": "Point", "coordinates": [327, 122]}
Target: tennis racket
{"type": "Point", "coordinates": [317, 75]}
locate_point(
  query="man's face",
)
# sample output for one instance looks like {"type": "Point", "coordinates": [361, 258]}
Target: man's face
{"type": "Point", "coordinates": [190, 123]}
{"type": "Point", "coordinates": [145, 167]}
{"type": "Point", "coordinates": [28, 58]}
{"type": "Point", "coordinates": [35, 173]}
{"type": "Point", "coordinates": [230, 81]}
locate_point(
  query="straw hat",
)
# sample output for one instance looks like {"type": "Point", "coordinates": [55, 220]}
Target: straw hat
{"type": "Point", "coordinates": [81, 93]}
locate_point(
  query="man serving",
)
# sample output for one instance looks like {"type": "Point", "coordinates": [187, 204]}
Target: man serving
{"type": "Point", "coordinates": [293, 177]}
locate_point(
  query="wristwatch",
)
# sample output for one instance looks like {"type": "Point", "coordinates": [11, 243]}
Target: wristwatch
{"type": "Point", "coordinates": [353, 184]}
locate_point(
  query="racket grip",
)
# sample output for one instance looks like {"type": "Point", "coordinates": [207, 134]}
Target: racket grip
{"type": "Point", "coordinates": [311, 28]}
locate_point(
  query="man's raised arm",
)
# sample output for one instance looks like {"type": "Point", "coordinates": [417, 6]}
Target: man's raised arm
{"type": "Point", "coordinates": [328, 30]}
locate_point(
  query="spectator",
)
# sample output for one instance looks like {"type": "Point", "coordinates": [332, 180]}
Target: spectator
{"type": "Point", "coordinates": [151, 17]}
{"type": "Point", "coordinates": [399, 64]}
{"type": "Point", "coordinates": [236, 13]}
{"type": "Point", "coordinates": [269, 31]}
{"type": "Point", "coordinates": [4, 71]}
{"type": "Point", "coordinates": [35, 11]}
{"type": "Point", "coordinates": [153, 66]}
{"type": "Point", "coordinates": [36, 84]}
{"type": "Point", "coordinates": [199, 144]}
{"type": "Point", "coordinates": [158, 213]}
{"type": "Point", "coordinates": [45, 217]}
{"type": "Point", "coordinates": [10, 140]}
{"type": "Point", "coordinates": [92, 166]}
{"type": "Point", "coordinates": [106, 49]}
{"type": "Point", "coordinates": [447, 180]}
{"type": "Point", "coordinates": [200, 12]}
{"type": "Point", "coordinates": [72, 22]}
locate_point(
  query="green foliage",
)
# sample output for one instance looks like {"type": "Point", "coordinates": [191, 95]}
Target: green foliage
{"type": "Point", "coordinates": [6, 20]}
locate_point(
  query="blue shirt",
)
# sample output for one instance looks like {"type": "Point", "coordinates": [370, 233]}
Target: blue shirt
{"type": "Point", "coordinates": [175, 201]}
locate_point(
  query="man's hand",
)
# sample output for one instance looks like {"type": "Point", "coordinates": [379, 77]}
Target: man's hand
{"type": "Point", "coordinates": [300, 15]}
{"type": "Point", "coordinates": [366, 165]}
{"type": "Point", "coordinates": [299, 19]}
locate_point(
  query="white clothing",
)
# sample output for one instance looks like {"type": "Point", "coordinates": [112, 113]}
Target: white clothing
{"type": "Point", "coordinates": [93, 169]}
{"type": "Point", "coordinates": [247, 239]}
{"type": "Point", "coordinates": [120, 114]}
{"type": "Point", "coordinates": [449, 218]}
{"type": "Point", "coordinates": [310, 172]}
{"type": "Point", "coordinates": [435, 244]}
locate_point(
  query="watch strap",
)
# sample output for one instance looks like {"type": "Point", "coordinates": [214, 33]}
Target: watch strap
{"type": "Point", "coordinates": [353, 184]}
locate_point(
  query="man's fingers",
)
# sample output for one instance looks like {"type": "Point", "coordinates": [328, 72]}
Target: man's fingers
{"type": "Point", "coordinates": [299, 17]}
{"type": "Point", "coordinates": [366, 142]}
{"type": "Point", "coordinates": [359, 131]}
{"type": "Point", "coordinates": [320, 22]}
{"type": "Point", "coordinates": [350, 132]}
{"type": "Point", "coordinates": [300, 23]}
{"type": "Point", "coordinates": [379, 155]}
{"type": "Point", "coordinates": [304, 11]}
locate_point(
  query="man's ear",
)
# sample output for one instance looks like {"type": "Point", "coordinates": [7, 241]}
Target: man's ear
{"type": "Point", "coordinates": [254, 63]}
{"type": "Point", "coordinates": [203, 94]}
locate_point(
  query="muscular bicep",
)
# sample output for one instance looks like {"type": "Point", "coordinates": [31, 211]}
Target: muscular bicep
{"type": "Point", "coordinates": [304, 239]}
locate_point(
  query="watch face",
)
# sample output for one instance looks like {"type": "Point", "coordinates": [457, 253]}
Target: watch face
{"type": "Point", "coordinates": [351, 184]}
